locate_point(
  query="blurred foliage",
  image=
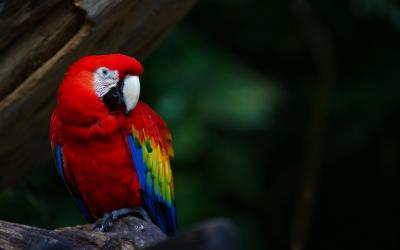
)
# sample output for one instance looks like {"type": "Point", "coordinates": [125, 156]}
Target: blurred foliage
{"type": "Point", "coordinates": [388, 9]}
{"type": "Point", "coordinates": [235, 82]}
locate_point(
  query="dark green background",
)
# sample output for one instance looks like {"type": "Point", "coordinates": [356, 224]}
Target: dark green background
{"type": "Point", "coordinates": [236, 82]}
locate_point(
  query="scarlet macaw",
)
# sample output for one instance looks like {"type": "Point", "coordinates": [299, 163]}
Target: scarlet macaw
{"type": "Point", "coordinates": [112, 151]}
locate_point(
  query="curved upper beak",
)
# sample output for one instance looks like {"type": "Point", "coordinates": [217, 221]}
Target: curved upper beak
{"type": "Point", "coordinates": [125, 95]}
{"type": "Point", "coordinates": [131, 92]}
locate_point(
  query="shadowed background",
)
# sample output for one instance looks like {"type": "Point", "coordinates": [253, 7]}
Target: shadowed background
{"type": "Point", "coordinates": [284, 117]}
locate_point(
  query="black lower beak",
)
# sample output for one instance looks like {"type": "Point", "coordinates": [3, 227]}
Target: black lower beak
{"type": "Point", "coordinates": [114, 98]}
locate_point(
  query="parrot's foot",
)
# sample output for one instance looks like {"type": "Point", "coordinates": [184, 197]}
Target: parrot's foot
{"type": "Point", "coordinates": [108, 219]}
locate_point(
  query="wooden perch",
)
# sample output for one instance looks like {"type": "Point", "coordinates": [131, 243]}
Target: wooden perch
{"type": "Point", "coordinates": [127, 233]}
{"type": "Point", "coordinates": [40, 39]}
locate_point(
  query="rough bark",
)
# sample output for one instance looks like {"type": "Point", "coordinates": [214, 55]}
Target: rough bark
{"type": "Point", "coordinates": [39, 39]}
{"type": "Point", "coordinates": [127, 233]}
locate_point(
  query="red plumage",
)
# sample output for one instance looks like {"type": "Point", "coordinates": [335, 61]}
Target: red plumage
{"type": "Point", "coordinates": [97, 163]}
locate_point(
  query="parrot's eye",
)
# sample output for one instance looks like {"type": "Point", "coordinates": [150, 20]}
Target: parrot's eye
{"type": "Point", "coordinates": [106, 73]}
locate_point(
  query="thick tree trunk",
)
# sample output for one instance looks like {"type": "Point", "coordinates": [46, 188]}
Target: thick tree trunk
{"type": "Point", "coordinates": [39, 39]}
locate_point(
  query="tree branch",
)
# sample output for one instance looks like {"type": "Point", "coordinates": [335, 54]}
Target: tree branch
{"type": "Point", "coordinates": [127, 233]}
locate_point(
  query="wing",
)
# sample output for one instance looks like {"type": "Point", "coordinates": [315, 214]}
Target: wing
{"type": "Point", "coordinates": [149, 142]}
{"type": "Point", "coordinates": [55, 141]}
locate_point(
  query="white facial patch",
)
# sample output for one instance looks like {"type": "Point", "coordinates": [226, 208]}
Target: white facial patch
{"type": "Point", "coordinates": [131, 91]}
{"type": "Point", "coordinates": [104, 79]}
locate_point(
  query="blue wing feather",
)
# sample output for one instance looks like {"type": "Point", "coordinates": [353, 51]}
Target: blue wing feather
{"type": "Point", "coordinates": [163, 214]}
{"type": "Point", "coordinates": [77, 198]}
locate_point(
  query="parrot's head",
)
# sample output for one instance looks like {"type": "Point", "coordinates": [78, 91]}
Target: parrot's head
{"type": "Point", "coordinates": [103, 80]}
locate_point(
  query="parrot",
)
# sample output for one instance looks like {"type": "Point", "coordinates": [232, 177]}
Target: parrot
{"type": "Point", "coordinates": [112, 151]}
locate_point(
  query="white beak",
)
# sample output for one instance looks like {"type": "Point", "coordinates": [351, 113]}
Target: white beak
{"type": "Point", "coordinates": [131, 91]}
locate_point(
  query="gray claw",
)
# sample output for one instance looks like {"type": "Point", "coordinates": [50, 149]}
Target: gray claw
{"type": "Point", "coordinates": [108, 219]}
